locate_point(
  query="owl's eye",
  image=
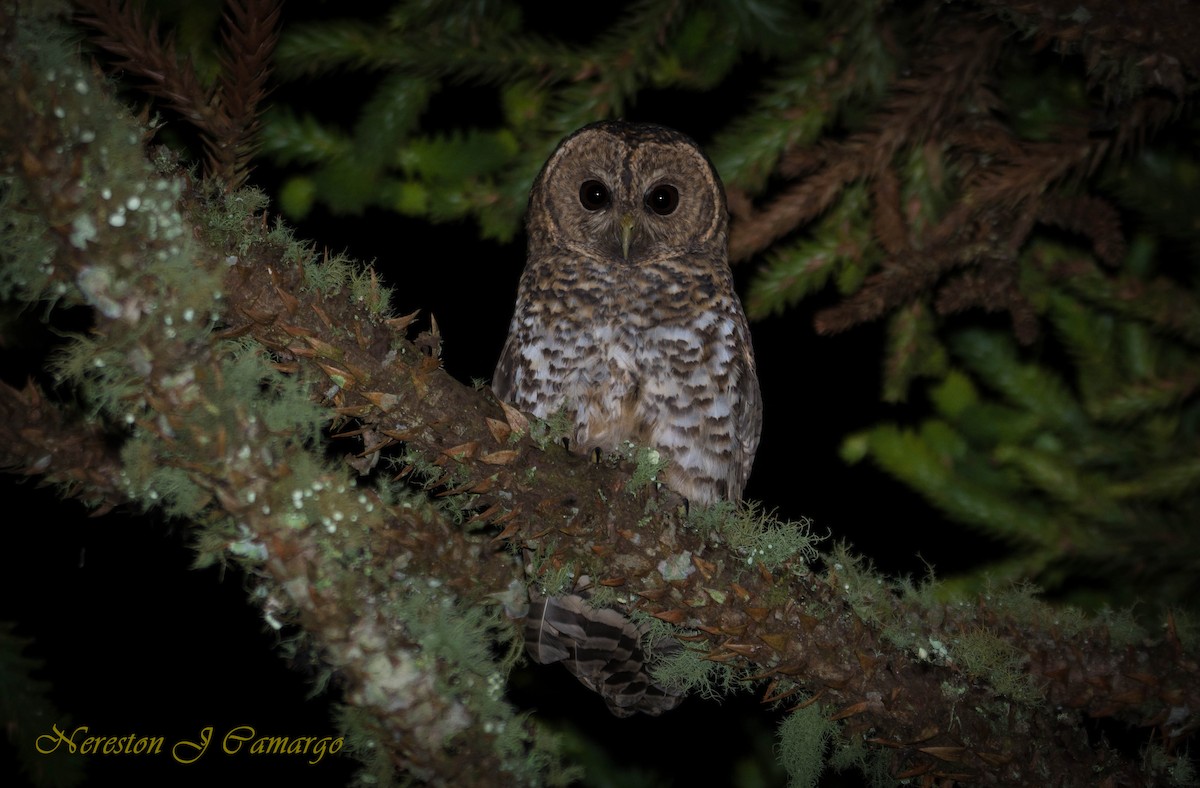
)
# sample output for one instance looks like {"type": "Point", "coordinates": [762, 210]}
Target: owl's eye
{"type": "Point", "coordinates": [593, 195]}
{"type": "Point", "coordinates": [663, 200]}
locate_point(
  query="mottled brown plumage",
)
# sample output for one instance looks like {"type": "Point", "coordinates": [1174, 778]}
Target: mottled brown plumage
{"type": "Point", "coordinates": [626, 316]}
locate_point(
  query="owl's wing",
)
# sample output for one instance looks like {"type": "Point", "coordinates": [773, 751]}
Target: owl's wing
{"type": "Point", "coordinates": [748, 413]}
{"type": "Point", "coordinates": [504, 380]}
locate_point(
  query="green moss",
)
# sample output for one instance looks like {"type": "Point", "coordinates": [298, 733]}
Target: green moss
{"type": "Point", "coordinates": [756, 535]}
{"type": "Point", "coordinates": [330, 274]}
{"type": "Point", "coordinates": [985, 657]}
{"type": "Point", "coordinates": [1187, 629]}
{"type": "Point", "coordinates": [558, 427]}
{"type": "Point", "coordinates": [224, 216]}
{"type": "Point", "coordinates": [803, 737]}
{"type": "Point", "coordinates": [28, 714]}
{"type": "Point", "coordinates": [688, 671]}
{"type": "Point", "coordinates": [871, 597]}
{"type": "Point", "coordinates": [853, 753]}
{"type": "Point", "coordinates": [1175, 770]}
{"type": "Point", "coordinates": [550, 578]}
{"type": "Point", "coordinates": [1123, 626]}
{"type": "Point", "coordinates": [650, 463]}
{"type": "Point", "coordinates": [26, 250]}
{"type": "Point", "coordinates": [708, 520]}
{"type": "Point", "coordinates": [367, 290]}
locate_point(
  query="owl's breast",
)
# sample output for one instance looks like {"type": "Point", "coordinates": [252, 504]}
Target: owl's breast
{"type": "Point", "coordinates": [649, 357]}
{"type": "Point", "coordinates": [603, 381]}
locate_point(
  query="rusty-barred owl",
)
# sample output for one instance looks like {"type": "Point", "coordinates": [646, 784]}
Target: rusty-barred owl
{"type": "Point", "coordinates": [626, 315]}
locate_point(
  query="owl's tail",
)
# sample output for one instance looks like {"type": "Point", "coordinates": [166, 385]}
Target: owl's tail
{"type": "Point", "coordinates": [603, 649]}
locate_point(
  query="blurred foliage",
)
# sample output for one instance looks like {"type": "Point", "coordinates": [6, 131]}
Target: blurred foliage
{"type": "Point", "coordinates": [1074, 443]}
{"type": "Point", "coordinates": [538, 88]}
{"type": "Point", "coordinates": [1080, 455]}
{"type": "Point", "coordinates": [31, 719]}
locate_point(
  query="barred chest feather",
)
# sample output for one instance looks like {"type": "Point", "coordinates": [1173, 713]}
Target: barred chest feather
{"type": "Point", "coordinates": [671, 383]}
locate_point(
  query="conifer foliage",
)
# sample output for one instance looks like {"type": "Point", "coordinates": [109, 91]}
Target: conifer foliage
{"type": "Point", "coordinates": [928, 161]}
{"type": "Point", "coordinates": [1009, 187]}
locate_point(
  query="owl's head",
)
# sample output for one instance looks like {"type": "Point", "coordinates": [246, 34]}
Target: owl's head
{"type": "Point", "coordinates": [628, 193]}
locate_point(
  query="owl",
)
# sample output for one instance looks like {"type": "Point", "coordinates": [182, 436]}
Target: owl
{"type": "Point", "coordinates": [626, 317]}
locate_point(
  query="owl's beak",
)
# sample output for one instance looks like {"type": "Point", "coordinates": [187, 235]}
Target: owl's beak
{"type": "Point", "coordinates": [627, 225]}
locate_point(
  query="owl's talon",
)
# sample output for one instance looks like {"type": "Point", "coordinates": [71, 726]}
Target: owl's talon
{"type": "Point", "coordinates": [596, 455]}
